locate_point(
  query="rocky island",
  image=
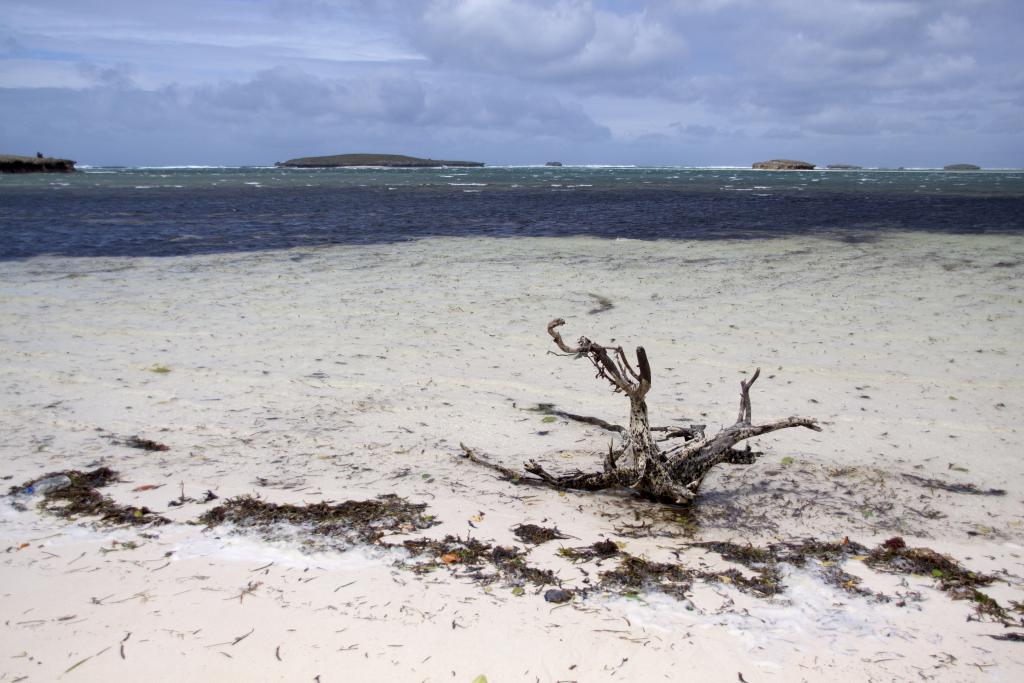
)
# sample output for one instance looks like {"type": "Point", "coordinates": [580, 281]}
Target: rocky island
{"type": "Point", "coordinates": [383, 160]}
{"type": "Point", "coordinates": [10, 163]}
{"type": "Point", "coordinates": [553, 163]}
{"type": "Point", "coordinates": [784, 165]}
{"type": "Point", "coordinates": [961, 167]}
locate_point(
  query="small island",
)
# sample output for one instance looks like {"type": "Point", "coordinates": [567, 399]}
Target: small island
{"type": "Point", "coordinates": [784, 165]}
{"type": "Point", "coordinates": [381, 160]}
{"type": "Point", "coordinates": [844, 167]}
{"type": "Point", "coordinates": [10, 163]}
{"type": "Point", "coordinates": [961, 167]}
{"type": "Point", "coordinates": [553, 163]}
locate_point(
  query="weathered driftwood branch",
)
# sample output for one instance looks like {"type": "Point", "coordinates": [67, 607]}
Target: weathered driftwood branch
{"type": "Point", "coordinates": [673, 475]}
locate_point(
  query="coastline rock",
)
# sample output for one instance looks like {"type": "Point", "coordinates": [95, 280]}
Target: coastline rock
{"type": "Point", "coordinates": [961, 167]}
{"type": "Point", "coordinates": [784, 165]}
{"type": "Point", "coordinates": [10, 163]}
{"type": "Point", "coordinates": [844, 167]}
{"type": "Point", "coordinates": [553, 163]}
{"type": "Point", "coordinates": [381, 160]}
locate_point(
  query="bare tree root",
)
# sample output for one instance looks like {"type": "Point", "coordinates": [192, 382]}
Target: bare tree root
{"type": "Point", "coordinates": [673, 475]}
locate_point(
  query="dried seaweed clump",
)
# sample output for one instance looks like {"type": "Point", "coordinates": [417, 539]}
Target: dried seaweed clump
{"type": "Point", "coordinates": [635, 574]}
{"type": "Point", "coordinates": [598, 550]}
{"type": "Point", "coordinates": [480, 561]}
{"type": "Point", "coordinates": [894, 557]}
{"type": "Point", "coordinates": [72, 493]}
{"type": "Point", "coordinates": [354, 521]}
{"type": "Point", "coordinates": [531, 533]}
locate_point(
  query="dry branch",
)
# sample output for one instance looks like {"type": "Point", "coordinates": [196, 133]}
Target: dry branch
{"type": "Point", "coordinates": [639, 464]}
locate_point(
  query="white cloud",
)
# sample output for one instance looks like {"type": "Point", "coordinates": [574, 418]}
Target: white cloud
{"type": "Point", "coordinates": [506, 74]}
{"type": "Point", "coordinates": [559, 40]}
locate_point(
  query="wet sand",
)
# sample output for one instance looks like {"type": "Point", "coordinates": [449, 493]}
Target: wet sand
{"type": "Point", "coordinates": [349, 372]}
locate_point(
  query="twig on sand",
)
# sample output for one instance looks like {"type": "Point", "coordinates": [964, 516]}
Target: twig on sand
{"type": "Point", "coordinates": [83, 661]}
{"type": "Point", "coordinates": [248, 590]}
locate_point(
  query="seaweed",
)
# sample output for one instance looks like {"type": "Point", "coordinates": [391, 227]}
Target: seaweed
{"type": "Point", "coordinates": [508, 563]}
{"type": "Point", "coordinates": [597, 550]}
{"type": "Point", "coordinates": [895, 557]}
{"type": "Point", "coordinates": [635, 574]}
{"type": "Point", "coordinates": [353, 521]}
{"type": "Point", "coordinates": [137, 442]}
{"type": "Point", "coordinates": [145, 444]}
{"type": "Point", "coordinates": [892, 556]}
{"type": "Point", "coordinates": [764, 562]}
{"type": "Point", "coordinates": [1013, 637]}
{"type": "Point", "coordinates": [73, 494]}
{"type": "Point", "coordinates": [970, 489]}
{"type": "Point", "coordinates": [747, 555]}
{"type": "Point", "coordinates": [531, 533]}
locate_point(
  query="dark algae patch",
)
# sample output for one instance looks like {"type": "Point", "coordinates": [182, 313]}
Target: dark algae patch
{"type": "Point", "coordinates": [969, 489]}
{"type": "Point", "coordinates": [137, 442]}
{"type": "Point", "coordinates": [761, 570]}
{"type": "Point", "coordinates": [825, 558]}
{"type": "Point", "coordinates": [531, 533]}
{"type": "Point", "coordinates": [72, 494]}
{"type": "Point", "coordinates": [478, 560]}
{"type": "Point", "coordinates": [353, 521]}
{"type": "Point", "coordinates": [635, 574]}
{"type": "Point", "coordinates": [145, 444]}
{"type": "Point", "coordinates": [895, 557]}
{"type": "Point", "coordinates": [598, 550]}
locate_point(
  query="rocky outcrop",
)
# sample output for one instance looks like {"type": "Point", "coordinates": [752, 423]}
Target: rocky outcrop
{"type": "Point", "coordinates": [382, 160]}
{"type": "Point", "coordinates": [37, 164]}
{"type": "Point", "coordinates": [961, 167]}
{"type": "Point", "coordinates": [553, 163]}
{"type": "Point", "coordinates": [844, 167]}
{"type": "Point", "coordinates": [784, 165]}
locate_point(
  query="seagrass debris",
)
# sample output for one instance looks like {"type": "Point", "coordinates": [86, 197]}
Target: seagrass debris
{"type": "Point", "coordinates": [636, 574]}
{"type": "Point", "coordinates": [349, 522]}
{"type": "Point", "coordinates": [671, 475]}
{"type": "Point", "coordinates": [71, 494]}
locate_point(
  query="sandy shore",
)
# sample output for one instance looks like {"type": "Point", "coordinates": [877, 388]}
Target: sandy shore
{"type": "Point", "coordinates": [349, 372]}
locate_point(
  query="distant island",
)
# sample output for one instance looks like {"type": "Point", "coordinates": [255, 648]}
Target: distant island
{"type": "Point", "coordinates": [10, 163]}
{"type": "Point", "coordinates": [384, 160]}
{"type": "Point", "coordinates": [553, 163]}
{"type": "Point", "coordinates": [844, 167]}
{"type": "Point", "coordinates": [961, 167]}
{"type": "Point", "coordinates": [784, 165]}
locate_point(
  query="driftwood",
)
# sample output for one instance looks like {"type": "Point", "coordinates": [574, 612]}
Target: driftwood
{"type": "Point", "coordinates": [671, 475]}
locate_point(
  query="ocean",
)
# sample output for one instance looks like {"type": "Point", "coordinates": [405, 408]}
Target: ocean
{"type": "Point", "coordinates": [189, 210]}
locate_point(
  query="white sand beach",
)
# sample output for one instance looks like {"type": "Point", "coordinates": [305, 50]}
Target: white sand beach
{"type": "Point", "coordinates": [349, 372]}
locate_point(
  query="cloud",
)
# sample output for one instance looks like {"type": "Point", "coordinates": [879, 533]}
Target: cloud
{"type": "Point", "coordinates": [694, 130]}
{"type": "Point", "coordinates": [565, 39]}
{"type": "Point", "coordinates": [949, 30]}
{"type": "Point", "coordinates": [120, 76]}
{"type": "Point", "coordinates": [515, 78]}
{"type": "Point", "coordinates": [281, 110]}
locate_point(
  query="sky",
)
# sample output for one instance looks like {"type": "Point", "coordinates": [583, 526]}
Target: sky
{"type": "Point", "coordinates": [912, 83]}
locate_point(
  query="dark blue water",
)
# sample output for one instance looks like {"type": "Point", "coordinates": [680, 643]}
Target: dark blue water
{"type": "Point", "coordinates": [170, 212]}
